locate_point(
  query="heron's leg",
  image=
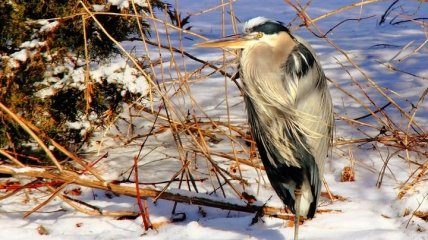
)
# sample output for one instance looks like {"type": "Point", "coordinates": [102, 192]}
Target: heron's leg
{"type": "Point", "coordinates": [298, 194]}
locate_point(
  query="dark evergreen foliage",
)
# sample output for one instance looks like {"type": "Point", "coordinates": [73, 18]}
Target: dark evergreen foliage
{"type": "Point", "coordinates": [19, 23]}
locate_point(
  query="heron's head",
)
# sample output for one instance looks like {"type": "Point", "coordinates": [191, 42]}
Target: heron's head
{"type": "Point", "coordinates": [256, 30]}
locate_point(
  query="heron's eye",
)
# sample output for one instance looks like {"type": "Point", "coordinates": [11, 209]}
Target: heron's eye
{"type": "Point", "coordinates": [259, 35]}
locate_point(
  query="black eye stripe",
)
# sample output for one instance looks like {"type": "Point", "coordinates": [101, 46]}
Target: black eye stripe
{"type": "Point", "coordinates": [269, 28]}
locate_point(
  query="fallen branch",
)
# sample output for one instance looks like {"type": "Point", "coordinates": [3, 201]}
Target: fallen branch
{"type": "Point", "coordinates": [176, 195]}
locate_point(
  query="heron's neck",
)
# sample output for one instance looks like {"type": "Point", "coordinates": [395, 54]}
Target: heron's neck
{"type": "Point", "coordinates": [283, 47]}
{"type": "Point", "coordinates": [262, 66]}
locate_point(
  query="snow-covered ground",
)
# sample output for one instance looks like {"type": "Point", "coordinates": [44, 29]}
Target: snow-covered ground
{"type": "Point", "coordinates": [368, 210]}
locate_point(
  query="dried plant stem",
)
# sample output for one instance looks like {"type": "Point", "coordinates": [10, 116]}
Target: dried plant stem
{"type": "Point", "coordinates": [142, 204]}
{"type": "Point", "coordinates": [421, 172]}
{"type": "Point", "coordinates": [396, 140]}
{"type": "Point", "coordinates": [95, 211]}
{"type": "Point", "coordinates": [327, 188]}
{"type": "Point", "coordinates": [122, 49]}
{"type": "Point", "coordinates": [62, 149]}
{"type": "Point", "coordinates": [44, 203]}
{"type": "Point", "coordinates": [339, 10]}
{"type": "Point", "coordinates": [235, 158]}
{"type": "Point", "coordinates": [18, 189]}
{"type": "Point", "coordinates": [18, 120]}
{"type": "Point", "coordinates": [182, 196]}
{"type": "Point", "coordinates": [12, 158]}
{"type": "Point", "coordinates": [88, 83]}
{"type": "Point", "coordinates": [307, 19]}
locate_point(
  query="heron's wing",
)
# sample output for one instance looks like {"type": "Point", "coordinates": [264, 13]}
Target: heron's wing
{"type": "Point", "coordinates": [281, 174]}
{"type": "Point", "coordinates": [312, 101]}
{"type": "Point", "coordinates": [285, 177]}
{"type": "Point", "coordinates": [313, 110]}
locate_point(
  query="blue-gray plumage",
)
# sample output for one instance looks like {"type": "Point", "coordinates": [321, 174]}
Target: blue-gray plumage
{"type": "Point", "coordinates": [302, 64]}
{"type": "Point", "coordinates": [289, 110]}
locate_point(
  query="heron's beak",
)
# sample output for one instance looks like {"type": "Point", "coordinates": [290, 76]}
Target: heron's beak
{"type": "Point", "coordinates": [235, 42]}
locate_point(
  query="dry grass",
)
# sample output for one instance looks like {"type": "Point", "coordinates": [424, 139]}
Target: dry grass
{"type": "Point", "coordinates": [193, 131]}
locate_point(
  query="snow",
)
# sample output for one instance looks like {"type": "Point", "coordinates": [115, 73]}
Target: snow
{"type": "Point", "coordinates": [368, 211]}
{"type": "Point", "coordinates": [21, 55]}
{"type": "Point", "coordinates": [32, 44]}
{"type": "Point", "coordinates": [83, 125]}
{"type": "Point", "coordinates": [98, 7]}
{"type": "Point", "coordinates": [126, 3]}
{"type": "Point", "coordinates": [120, 73]}
{"type": "Point", "coordinates": [48, 26]}
{"type": "Point", "coordinates": [26, 52]}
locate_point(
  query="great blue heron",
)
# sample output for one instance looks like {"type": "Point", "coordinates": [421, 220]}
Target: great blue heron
{"type": "Point", "coordinates": [289, 109]}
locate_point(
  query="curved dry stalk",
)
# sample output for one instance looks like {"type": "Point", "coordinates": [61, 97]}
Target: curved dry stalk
{"type": "Point", "coordinates": [55, 192]}
{"type": "Point", "coordinates": [21, 122]}
{"type": "Point", "coordinates": [62, 149]}
{"type": "Point", "coordinates": [121, 48]}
